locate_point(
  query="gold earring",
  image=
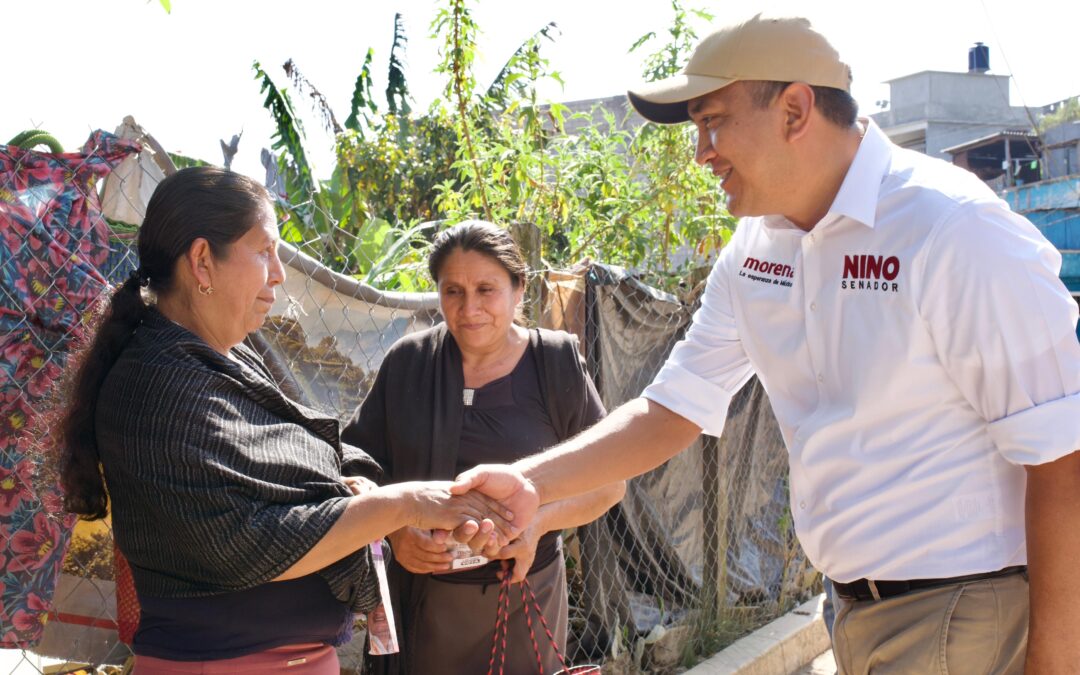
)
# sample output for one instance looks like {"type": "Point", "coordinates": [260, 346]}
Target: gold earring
{"type": "Point", "coordinates": [206, 291]}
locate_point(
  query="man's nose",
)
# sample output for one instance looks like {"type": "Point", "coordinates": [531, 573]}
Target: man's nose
{"type": "Point", "coordinates": [705, 150]}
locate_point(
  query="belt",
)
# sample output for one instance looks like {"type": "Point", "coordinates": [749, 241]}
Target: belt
{"type": "Point", "coordinates": [868, 589]}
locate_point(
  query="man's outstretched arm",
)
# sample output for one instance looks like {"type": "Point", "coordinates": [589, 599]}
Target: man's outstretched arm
{"type": "Point", "coordinates": [700, 376]}
{"type": "Point", "coordinates": [637, 436]}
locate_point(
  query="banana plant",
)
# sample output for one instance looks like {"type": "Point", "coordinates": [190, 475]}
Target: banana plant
{"type": "Point", "coordinates": [292, 158]}
{"type": "Point", "coordinates": [376, 210]}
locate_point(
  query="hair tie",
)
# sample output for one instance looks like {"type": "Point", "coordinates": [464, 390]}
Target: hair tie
{"type": "Point", "coordinates": [139, 277]}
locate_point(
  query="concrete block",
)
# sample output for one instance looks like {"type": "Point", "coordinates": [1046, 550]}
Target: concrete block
{"type": "Point", "coordinates": [778, 648]}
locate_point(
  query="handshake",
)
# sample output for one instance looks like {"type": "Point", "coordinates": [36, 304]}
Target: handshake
{"type": "Point", "coordinates": [491, 508]}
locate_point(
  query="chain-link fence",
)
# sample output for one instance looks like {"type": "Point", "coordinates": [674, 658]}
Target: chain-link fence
{"type": "Point", "coordinates": [53, 265]}
{"type": "Point", "coordinates": [699, 551]}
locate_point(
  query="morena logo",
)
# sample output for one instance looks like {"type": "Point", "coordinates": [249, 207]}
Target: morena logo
{"type": "Point", "coordinates": [871, 273]}
{"type": "Point", "coordinates": [779, 274]}
{"type": "Point", "coordinates": [766, 267]}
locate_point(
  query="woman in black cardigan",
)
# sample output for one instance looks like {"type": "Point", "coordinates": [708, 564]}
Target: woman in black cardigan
{"type": "Point", "coordinates": [476, 389]}
{"type": "Point", "coordinates": [244, 518]}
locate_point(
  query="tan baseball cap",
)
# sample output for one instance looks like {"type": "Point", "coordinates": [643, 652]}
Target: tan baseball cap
{"type": "Point", "coordinates": [780, 50]}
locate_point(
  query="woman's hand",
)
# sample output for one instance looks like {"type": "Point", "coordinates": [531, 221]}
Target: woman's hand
{"type": "Point", "coordinates": [376, 512]}
{"type": "Point", "coordinates": [358, 485]}
{"type": "Point", "coordinates": [421, 551]}
{"type": "Point", "coordinates": [432, 506]}
{"type": "Point", "coordinates": [522, 551]}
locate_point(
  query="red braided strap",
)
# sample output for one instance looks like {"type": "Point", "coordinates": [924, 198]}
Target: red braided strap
{"type": "Point", "coordinates": [526, 588]}
{"type": "Point", "coordinates": [502, 619]}
{"type": "Point", "coordinates": [502, 626]}
{"type": "Point", "coordinates": [532, 633]}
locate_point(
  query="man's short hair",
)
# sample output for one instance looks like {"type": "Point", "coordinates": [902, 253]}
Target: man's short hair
{"type": "Point", "coordinates": [835, 105]}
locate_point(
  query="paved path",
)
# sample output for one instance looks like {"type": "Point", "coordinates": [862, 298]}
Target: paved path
{"type": "Point", "coordinates": [822, 665]}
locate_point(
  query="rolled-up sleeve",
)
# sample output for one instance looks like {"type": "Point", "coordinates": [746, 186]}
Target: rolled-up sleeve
{"type": "Point", "coordinates": [709, 365]}
{"type": "Point", "coordinates": [1005, 329]}
{"type": "Point", "coordinates": [1037, 435]}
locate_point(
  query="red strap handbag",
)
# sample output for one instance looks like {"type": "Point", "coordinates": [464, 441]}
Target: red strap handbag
{"type": "Point", "coordinates": [502, 622]}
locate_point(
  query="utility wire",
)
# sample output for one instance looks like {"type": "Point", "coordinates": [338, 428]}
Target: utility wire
{"type": "Point", "coordinates": [1031, 118]}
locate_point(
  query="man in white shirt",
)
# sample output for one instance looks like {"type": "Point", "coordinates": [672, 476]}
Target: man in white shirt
{"type": "Point", "coordinates": [919, 352]}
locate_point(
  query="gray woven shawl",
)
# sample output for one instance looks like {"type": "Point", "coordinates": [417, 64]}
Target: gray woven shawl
{"type": "Point", "coordinates": [218, 481]}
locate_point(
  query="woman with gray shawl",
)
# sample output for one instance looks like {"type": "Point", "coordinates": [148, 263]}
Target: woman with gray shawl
{"type": "Point", "coordinates": [244, 518]}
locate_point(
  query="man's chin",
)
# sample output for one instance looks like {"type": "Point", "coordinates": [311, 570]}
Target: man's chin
{"type": "Point", "coordinates": [735, 208]}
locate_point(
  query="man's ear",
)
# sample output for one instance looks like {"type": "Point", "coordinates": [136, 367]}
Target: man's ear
{"type": "Point", "coordinates": [796, 102]}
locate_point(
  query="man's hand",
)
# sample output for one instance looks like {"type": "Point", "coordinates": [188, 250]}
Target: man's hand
{"type": "Point", "coordinates": [505, 484]}
{"type": "Point", "coordinates": [421, 551]}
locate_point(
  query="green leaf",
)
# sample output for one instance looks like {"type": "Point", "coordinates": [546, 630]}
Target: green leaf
{"type": "Point", "coordinates": [289, 132]}
{"type": "Point", "coordinates": [288, 137]}
{"type": "Point", "coordinates": [361, 98]}
{"type": "Point", "coordinates": [642, 40]}
{"type": "Point", "coordinates": [308, 90]}
{"type": "Point", "coordinates": [291, 234]}
{"type": "Point", "coordinates": [397, 91]}
{"type": "Point", "coordinates": [183, 161]}
{"type": "Point", "coordinates": [396, 244]}
{"type": "Point", "coordinates": [521, 64]}
{"type": "Point", "coordinates": [167, 4]}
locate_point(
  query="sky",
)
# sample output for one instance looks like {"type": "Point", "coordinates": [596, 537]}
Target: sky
{"type": "Point", "coordinates": [186, 76]}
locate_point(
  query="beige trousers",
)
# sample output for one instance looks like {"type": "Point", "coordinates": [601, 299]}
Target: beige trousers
{"type": "Point", "coordinates": [979, 627]}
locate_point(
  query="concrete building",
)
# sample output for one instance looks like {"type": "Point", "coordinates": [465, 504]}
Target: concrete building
{"type": "Point", "coordinates": [1002, 159]}
{"type": "Point", "coordinates": [934, 110]}
{"type": "Point", "coordinates": [1062, 149]}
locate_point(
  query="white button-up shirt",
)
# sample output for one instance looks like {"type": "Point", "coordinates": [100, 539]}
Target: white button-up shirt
{"type": "Point", "coordinates": [918, 349]}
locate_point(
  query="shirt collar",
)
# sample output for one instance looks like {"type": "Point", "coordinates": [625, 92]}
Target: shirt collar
{"type": "Point", "coordinates": [858, 195]}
